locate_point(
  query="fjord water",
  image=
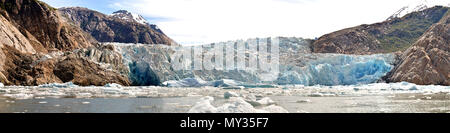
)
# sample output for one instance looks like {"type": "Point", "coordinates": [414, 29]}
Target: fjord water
{"type": "Point", "coordinates": [371, 98]}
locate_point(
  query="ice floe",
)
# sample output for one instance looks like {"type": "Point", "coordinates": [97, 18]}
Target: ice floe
{"type": "Point", "coordinates": [113, 85]}
{"type": "Point", "coordinates": [233, 105]}
{"type": "Point", "coordinates": [254, 96]}
{"type": "Point", "coordinates": [204, 106]}
{"type": "Point", "coordinates": [230, 94]}
{"type": "Point", "coordinates": [59, 85]}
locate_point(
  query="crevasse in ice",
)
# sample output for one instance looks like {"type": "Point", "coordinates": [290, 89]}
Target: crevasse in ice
{"type": "Point", "coordinates": [151, 65]}
{"type": "Point", "coordinates": [334, 69]}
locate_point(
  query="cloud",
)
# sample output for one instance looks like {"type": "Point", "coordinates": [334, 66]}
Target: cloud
{"type": "Point", "coordinates": [220, 20]}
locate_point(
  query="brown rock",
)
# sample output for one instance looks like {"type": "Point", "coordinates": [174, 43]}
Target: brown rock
{"type": "Point", "coordinates": [45, 24]}
{"type": "Point", "coordinates": [427, 61]}
{"type": "Point", "coordinates": [30, 29]}
{"type": "Point", "coordinates": [113, 29]}
{"type": "Point", "coordinates": [84, 72]}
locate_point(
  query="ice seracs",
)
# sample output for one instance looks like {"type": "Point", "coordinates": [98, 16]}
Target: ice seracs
{"type": "Point", "coordinates": [151, 65]}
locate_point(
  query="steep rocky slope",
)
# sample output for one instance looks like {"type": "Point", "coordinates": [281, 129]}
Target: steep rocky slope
{"type": "Point", "coordinates": [428, 60]}
{"type": "Point", "coordinates": [38, 46]}
{"type": "Point", "coordinates": [120, 27]}
{"type": "Point", "coordinates": [395, 34]}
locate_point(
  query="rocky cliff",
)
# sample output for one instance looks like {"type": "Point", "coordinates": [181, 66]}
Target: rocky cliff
{"type": "Point", "coordinates": [428, 60]}
{"type": "Point", "coordinates": [38, 46]}
{"type": "Point", "coordinates": [121, 27]}
{"type": "Point", "coordinates": [395, 34]}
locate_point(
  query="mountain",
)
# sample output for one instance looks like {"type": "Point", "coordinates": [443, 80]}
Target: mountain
{"type": "Point", "coordinates": [121, 26]}
{"type": "Point", "coordinates": [38, 46]}
{"type": "Point", "coordinates": [428, 60]}
{"type": "Point", "coordinates": [395, 34]}
{"type": "Point", "coordinates": [130, 17]}
{"type": "Point", "coordinates": [417, 6]}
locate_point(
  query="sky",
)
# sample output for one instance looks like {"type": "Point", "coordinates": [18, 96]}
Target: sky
{"type": "Point", "coordinates": [207, 21]}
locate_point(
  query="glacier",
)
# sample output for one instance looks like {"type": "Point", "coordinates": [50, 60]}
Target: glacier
{"type": "Point", "coordinates": [152, 65]}
{"type": "Point", "coordinates": [334, 69]}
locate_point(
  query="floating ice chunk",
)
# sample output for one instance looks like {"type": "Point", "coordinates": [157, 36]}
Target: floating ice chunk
{"type": "Point", "coordinates": [188, 82]}
{"type": "Point", "coordinates": [59, 85]}
{"type": "Point", "coordinates": [275, 109]}
{"type": "Point", "coordinates": [113, 85]}
{"type": "Point", "coordinates": [193, 94]}
{"type": "Point", "coordinates": [316, 95]}
{"type": "Point", "coordinates": [250, 97]}
{"type": "Point", "coordinates": [237, 105]}
{"type": "Point", "coordinates": [39, 97]}
{"type": "Point", "coordinates": [230, 94]}
{"type": "Point", "coordinates": [2, 85]}
{"type": "Point", "coordinates": [19, 96]}
{"type": "Point", "coordinates": [234, 105]}
{"type": "Point", "coordinates": [204, 106]}
{"type": "Point", "coordinates": [234, 88]}
{"type": "Point", "coordinates": [304, 101]}
{"type": "Point", "coordinates": [413, 88]}
{"type": "Point", "coordinates": [85, 102]}
{"type": "Point", "coordinates": [263, 101]}
{"type": "Point", "coordinates": [225, 83]}
{"type": "Point", "coordinates": [266, 101]}
{"type": "Point", "coordinates": [84, 95]}
{"type": "Point", "coordinates": [42, 102]}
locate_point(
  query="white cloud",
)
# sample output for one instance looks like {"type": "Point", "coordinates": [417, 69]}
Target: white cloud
{"type": "Point", "coordinates": [220, 20]}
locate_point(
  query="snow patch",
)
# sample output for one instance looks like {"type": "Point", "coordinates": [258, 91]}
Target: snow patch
{"type": "Point", "coordinates": [418, 5]}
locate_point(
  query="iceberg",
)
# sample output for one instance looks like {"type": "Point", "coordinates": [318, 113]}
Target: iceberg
{"type": "Point", "coordinates": [234, 105]}
{"type": "Point", "coordinates": [188, 82]}
{"type": "Point", "coordinates": [203, 106]}
{"type": "Point", "coordinates": [114, 85]}
{"type": "Point", "coordinates": [1, 85]}
{"type": "Point", "coordinates": [59, 85]}
{"type": "Point", "coordinates": [19, 96]}
{"type": "Point", "coordinates": [229, 94]}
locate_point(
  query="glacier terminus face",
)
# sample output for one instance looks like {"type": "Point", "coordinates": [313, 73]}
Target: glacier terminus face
{"type": "Point", "coordinates": [153, 64]}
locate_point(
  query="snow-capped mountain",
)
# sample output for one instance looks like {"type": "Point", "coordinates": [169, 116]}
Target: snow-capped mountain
{"type": "Point", "coordinates": [129, 16]}
{"type": "Point", "coordinates": [418, 5]}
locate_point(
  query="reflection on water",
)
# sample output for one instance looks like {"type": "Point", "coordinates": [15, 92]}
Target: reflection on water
{"type": "Point", "coordinates": [100, 105]}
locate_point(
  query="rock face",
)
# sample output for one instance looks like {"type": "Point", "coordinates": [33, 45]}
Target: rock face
{"type": "Point", "coordinates": [38, 46]}
{"type": "Point", "coordinates": [121, 27]}
{"type": "Point", "coordinates": [428, 60]}
{"type": "Point", "coordinates": [44, 24]}
{"type": "Point", "coordinates": [395, 34]}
